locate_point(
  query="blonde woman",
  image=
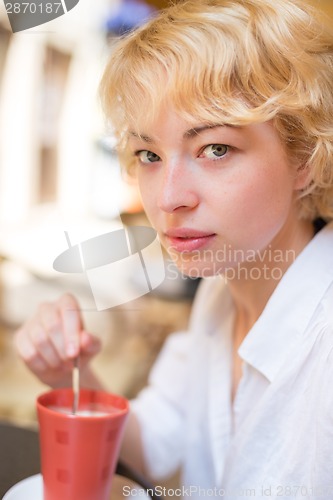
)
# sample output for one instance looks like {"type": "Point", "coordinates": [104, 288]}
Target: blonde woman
{"type": "Point", "coordinates": [223, 110]}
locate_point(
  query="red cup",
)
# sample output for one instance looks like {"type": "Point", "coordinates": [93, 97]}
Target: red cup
{"type": "Point", "coordinates": [79, 453]}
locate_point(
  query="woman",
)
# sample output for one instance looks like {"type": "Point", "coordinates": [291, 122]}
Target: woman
{"type": "Point", "coordinates": [223, 109]}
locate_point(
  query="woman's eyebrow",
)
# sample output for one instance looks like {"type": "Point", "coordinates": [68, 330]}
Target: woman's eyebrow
{"type": "Point", "coordinates": [188, 134]}
{"type": "Point", "coordinates": [192, 132]}
{"type": "Point", "coordinates": [142, 137]}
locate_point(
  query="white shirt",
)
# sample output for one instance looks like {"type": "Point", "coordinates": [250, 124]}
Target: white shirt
{"type": "Point", "coordinates": [276, 440]}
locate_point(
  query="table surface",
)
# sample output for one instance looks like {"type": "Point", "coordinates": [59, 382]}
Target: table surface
{"type": "Point", "coordinates": [20, 459]}
{"type": "Point", "coordinates": [19, 455]}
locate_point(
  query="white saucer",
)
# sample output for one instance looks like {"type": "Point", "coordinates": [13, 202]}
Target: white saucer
{"type": "Point", "coordinates": [28, 489]}
{"type": "Point", "coordinates": [32, 489]}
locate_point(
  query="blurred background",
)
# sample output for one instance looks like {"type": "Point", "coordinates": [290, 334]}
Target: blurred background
{"type": "Point", "coordinates": [59, 172]}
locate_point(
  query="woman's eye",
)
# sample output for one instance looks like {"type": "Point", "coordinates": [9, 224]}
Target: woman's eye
{"type": "Point", "coordinates": [147, 156]}
{"type": "Point", "coordinates": [215, 151]}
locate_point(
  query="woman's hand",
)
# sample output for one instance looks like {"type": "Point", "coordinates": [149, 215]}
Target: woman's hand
{"type": "Point", "coordinates": [50, 341]}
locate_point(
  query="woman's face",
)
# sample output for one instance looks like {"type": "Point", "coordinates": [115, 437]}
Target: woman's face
{"type": "Point", "coordinates": [215, 194]}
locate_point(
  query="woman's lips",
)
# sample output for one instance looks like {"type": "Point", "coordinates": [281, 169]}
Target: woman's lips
{"type": "Point", "coordinates": [187, 240]}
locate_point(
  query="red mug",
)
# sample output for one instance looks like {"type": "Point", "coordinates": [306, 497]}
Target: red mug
{"type": "Point", "coordinates": [79, 452]}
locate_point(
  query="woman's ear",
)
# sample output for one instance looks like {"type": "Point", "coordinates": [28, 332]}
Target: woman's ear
{"type": "Point", "coordinates": [303, 177]}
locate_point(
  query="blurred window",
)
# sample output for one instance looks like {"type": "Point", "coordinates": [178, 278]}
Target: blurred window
{"type": "Point", "coordinates": [4, 44]}
{"type": "Point", "coordinates": [53, 85]}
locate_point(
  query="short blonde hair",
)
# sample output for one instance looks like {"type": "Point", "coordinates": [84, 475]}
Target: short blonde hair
{"type": "Point", "coordinates": [235, 62]}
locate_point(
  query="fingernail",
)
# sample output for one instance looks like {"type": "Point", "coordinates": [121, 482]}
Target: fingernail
{"type": "Point", "coordinates": [71, 350]}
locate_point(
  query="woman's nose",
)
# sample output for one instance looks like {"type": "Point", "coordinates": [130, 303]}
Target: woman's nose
{"type": "Point", "coordinates": [177, 189]}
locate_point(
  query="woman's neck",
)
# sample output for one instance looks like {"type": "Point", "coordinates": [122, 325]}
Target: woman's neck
{"type": "Point", "coordinates": [255, 281]}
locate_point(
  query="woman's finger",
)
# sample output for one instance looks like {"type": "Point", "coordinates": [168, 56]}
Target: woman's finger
{"type": "Point", "coordinates": [72, 324]}
{"type": "Point", "coordinates": [52, 323]}
{"type": "Point", "coordinates": [28, 352]}
{"type": "Point", "coordinates": [44, 346]}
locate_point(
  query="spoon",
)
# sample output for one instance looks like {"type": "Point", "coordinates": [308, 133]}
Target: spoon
{"type": "Point", "coordinates": [76, 372]}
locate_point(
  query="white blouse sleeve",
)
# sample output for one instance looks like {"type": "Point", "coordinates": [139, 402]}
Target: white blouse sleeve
{"type": "Point", "coordinates": [159, 408]}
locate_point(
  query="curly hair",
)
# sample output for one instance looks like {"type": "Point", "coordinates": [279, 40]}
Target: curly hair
{"type": "Point", "coordinates": [235, 62]}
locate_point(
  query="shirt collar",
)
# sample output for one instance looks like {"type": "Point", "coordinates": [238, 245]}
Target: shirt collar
{"type": "Point", "coordinates": [291, 306]}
